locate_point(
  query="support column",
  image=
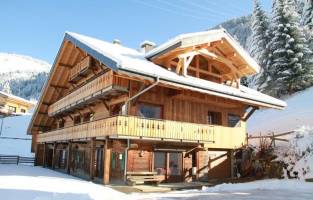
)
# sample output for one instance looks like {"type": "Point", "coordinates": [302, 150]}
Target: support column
{"type": "Point", "coordinates": [197, 164]}
{"type": "Point", "coordinates": [106, 160]}
{"type": "Point", "coordinates": [53, 154]}
{"type": "Point", "coordinates": [44, 157]}
{"type": "Point", "coordinates": [69, 157]}
{"type": "Point", "coordinates": [231, 157]}
{"type": "Point", "coordinates": [92, 158]}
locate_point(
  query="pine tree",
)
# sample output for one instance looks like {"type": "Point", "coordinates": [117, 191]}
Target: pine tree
{"type": "Point", "coordinates": [260, 39]}
{"type": "Point", "coordinates": [277, 62]}
{"type": "Point", "coordinates": [299, 54]}
{"type": "Point", "coordinates": [290, 58]}
{"type": "Point", "coordinates": [307, 17]}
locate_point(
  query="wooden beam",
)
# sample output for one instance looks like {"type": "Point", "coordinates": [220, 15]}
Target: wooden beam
{"type": "Point", "coordinates": [92, 158]}
{"type": "Point", "coordinates": [248, 115]}
{"type": "Point", "coordinates": [106, 164]}
{"type": "Point", "coordinates": [69, 157]}
{"type": "Point", "coordinates": [53, 154]}
{"type": "Point", "coordinates": [65, 65]}
{"type": "Point", "coordinates": [42, 113]}
{"type": "Point", "coordinates": [58, 86]}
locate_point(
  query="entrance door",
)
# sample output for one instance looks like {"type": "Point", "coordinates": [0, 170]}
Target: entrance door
{"type": "Point", "coordinates": [99, 162]}
{"type": "Point", "coordinates": [117, 166]}
{"type": "Point", "coordinates": [175, 173]}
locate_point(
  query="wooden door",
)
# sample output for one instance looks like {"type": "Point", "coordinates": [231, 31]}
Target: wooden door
{"type": "Point", "coordinates": [175, 169]}
{"type": "Point", "coordinates": [117, 165]}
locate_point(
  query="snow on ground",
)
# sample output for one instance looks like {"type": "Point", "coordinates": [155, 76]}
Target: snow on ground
{"type": "Point", "coordinates": [299, 112]}
{"type": "Point", "coordinates": [15, 127]}
{"type": "Point", "coordinates": [298, 152]}
{"type": "Point", "coordinates": [37, 183]}
{"type": "Point", "coordinates": [258, 190]}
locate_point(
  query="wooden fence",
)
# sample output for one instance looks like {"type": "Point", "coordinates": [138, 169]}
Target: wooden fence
{"type": "Point", "coordinates": [5, 159]}
{"type": "Point", "coordinates": [273, 137]}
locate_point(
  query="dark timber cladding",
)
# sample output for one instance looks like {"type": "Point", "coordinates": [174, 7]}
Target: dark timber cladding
{"type": "Point", "coordinates": [113, 115]}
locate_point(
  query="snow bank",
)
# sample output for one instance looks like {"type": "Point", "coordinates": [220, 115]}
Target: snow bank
{"type": "Point", "coordinates": [28, 183]}
{"type": "Point", "coordinates": [15, 127]}
{"type": "Point", "coordinates": [272, 184]}
{"type": "Point", "coordinates": [299, 112]}
{"type": "Point", "coordinates": [298, 153]}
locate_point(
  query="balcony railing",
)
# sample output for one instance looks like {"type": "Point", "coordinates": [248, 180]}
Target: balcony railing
{"type": "Point", "coordinates": [80, 69]}
{"type": "Point", "coordinates": [96, 87]}
{"type": "Point", "coordinates": [154, 129]}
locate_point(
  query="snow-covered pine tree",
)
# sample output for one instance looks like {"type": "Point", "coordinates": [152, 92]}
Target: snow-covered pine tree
{"type": "Point", "coordinates": [260, 39]}
{"type": "Point", "coordinates": [277, 63]}
{"type": "Point", "coordinates": [290, 59]}
{"type": "Point", "coordinates": [307, 16]}
{"type": "Point", "coordinates": [299, 55]}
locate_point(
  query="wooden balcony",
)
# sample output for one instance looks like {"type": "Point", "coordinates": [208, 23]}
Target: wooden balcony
{"type": "Point", "coordinates": [100, 87]}
{"type": "Point", "coordinates": [164, 130]}
{"type": "Point", "coordinates": [80, 69]}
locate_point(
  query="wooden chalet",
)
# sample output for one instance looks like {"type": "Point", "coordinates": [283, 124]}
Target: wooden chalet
{"type": "Point", "coordinates": [174, 112]}
{"type": "Point", "coordinates": [13, 105]}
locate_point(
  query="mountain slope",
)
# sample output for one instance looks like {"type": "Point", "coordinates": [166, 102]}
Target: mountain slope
{"type": "Point", "coordinates": [298, 113]}
{"type": "Point", "coordinates": [22, 75]}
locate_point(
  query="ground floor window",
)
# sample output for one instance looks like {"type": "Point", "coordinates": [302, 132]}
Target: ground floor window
{"type": "Point", "coordinates": [168, 163]}
{"type": "Point", "coordinates": [160, 163]}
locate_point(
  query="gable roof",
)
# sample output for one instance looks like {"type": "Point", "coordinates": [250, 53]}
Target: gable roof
{"type": "Point", "coordinates": [193, 39]}
{"type": "Point", "coordinates": [16, 98]}
{"type": "Point", "coordinates": [126, 60]}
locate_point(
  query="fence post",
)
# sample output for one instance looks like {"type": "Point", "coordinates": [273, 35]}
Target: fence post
{"type": "Point", "coordinates": [17, 160]}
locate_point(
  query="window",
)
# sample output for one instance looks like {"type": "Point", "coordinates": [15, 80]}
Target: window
{"type": "Point", "coordinates": [233, 120]}
{"type": "Point", "coordinates": [77, 120]}
{"type": "Point", "coordinates": [160, 163]}
{"type": "Point", "coordinates": [149, 111]}
{"type": "Point", "coordinates": [12, 108]}
{"type": "Point", "coordinates": [23, 110]}
{"type": "Point", "coordinates": [214, 118]}
{"type": "Point", "coordinates": [61, 123]}
{"type": "Point", "coordinates": [88, 117]}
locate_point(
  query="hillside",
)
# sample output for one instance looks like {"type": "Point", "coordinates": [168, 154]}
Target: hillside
{"type": "Point", "coordinates": [21, 75]}
{"type": "Point", "coordinates": [298, 113]}
{"type": "Point", "coordinates": [239, 28]}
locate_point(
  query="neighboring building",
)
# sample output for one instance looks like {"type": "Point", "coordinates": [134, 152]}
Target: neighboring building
{"type": "Point", "coordinates": [13, 105]}
{"type": "Point", "coordinates": [107, 110]}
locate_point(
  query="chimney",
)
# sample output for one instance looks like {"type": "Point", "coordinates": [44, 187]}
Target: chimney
{"type": "Point", "coordinates": [116, 41]}
{"type": "Point", "coordinates": [147, 46]}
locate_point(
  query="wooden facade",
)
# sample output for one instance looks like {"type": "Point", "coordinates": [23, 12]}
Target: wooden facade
{"type": "Point", "coordinates": [98, 123]}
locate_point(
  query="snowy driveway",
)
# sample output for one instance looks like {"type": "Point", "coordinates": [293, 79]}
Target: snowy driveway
{"type": "Point", "coordinates": [36, 183]}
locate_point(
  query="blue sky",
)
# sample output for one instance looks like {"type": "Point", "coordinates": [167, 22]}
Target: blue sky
{"type": "Point", "coordinates": [36, 27]}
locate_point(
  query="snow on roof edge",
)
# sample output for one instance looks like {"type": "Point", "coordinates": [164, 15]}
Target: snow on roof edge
{"type": "Point", "coordinates": [220, 31]}
{"type": "Point", "coordinates": [16, 97]}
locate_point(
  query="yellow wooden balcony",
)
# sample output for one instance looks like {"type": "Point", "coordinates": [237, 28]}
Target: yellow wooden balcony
{"type": "Point", "coordinates": [139, 128]}
{"type": "Point", "coordinates": [97, 88]}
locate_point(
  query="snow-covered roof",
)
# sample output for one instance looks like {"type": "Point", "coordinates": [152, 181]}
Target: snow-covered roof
{"type": "Point", "coordinates": [126, 60]}
{"type": "Point", "coordinates": [11, 96]}
{"type": "Point", "coordinates": [191, 39]}
{"type": "Point", "coordinates": [147, 42]}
